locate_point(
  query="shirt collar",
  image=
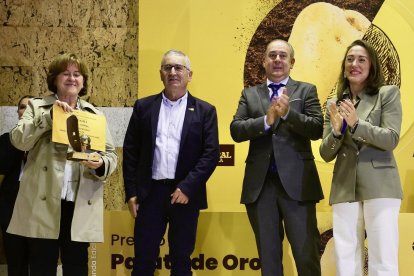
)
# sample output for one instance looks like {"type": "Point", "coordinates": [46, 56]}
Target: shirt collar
{"type": "Point", "coordinates": [168, 102]}
{"type": "Point", "coordinates": [347, 95]}
{"type": "Point", "coordinates": [284, 81]}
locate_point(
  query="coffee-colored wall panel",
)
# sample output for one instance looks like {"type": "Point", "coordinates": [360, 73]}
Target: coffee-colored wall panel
{"type": "Point", "coordinates": [16, 82]}
{"type": "Point", "coordinates": [37, 46]}
{"type": "Point", "coordinates": [111, 13]}
{"type": "Point", "coordinates": [113, 86]}
{"type": "Point", "coordinates": [50, 41]}
{"type": "Point", "coordinates": [114, 194]}
{"type": "Point", "coordinates": [103, 33]}
{"type": "Point", "coordinates": [16, 45]}
{"type": "Point", "coordinates": [110, 47]}
{"type": "Point", "coordinates": [66, 13]}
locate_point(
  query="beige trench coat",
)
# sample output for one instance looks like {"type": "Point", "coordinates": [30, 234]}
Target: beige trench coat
{"type": "Point", "coordinates": [37, 209]}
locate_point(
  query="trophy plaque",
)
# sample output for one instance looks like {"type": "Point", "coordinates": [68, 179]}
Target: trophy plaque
{"type": "Point", "coordinates": [81, 144]}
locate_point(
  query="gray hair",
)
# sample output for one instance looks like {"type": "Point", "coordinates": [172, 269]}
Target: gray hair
{"type": "Point", "coordinates": [177, 53]}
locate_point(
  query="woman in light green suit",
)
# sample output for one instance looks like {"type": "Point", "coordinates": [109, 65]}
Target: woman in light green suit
{"type": "Point", "coordinates": [361, 130]}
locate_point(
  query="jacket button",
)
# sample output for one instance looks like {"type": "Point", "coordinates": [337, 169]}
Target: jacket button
{"type": "Point", "coordinates": [45, 168]}
{"type": "Point", "coordinates": [43, 197]}
{"type": "Point", "coordinates": [89, 202]}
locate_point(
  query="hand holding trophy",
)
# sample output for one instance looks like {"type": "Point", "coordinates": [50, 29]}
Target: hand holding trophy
{"type": "Point", "coordinates": [80, 144]}
{"type": "Point", "coordinates": [83, 131]}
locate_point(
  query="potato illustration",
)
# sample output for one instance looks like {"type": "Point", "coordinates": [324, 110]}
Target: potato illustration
{"type": "Point", "coordinates": [320, 36]}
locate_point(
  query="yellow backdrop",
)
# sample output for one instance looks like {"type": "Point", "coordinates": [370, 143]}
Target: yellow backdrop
{"type": "Point", "coordinates": [216, 35]}
{"type": "Point", "coordinates": [225, 246]}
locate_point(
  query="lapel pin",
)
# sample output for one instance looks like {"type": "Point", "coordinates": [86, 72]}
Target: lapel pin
{"type": "Point", "coordinates": [191, 108]}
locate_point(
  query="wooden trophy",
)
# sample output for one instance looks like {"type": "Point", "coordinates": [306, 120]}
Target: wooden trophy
{"type": "Point", "coordinates": [80, 144]}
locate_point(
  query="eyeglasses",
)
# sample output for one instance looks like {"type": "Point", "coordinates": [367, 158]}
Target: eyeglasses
{"type": "Point", "coordinates": [177, 67]}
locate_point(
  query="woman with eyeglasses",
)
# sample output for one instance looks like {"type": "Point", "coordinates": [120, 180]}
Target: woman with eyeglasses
{"type": "Point", "coordinates": [361, 130]}
{"type": "Point", "coordinates": [59, 206]}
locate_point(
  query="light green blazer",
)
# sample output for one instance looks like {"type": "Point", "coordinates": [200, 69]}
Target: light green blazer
{"type": "Point", "coordinates": [365, 166]}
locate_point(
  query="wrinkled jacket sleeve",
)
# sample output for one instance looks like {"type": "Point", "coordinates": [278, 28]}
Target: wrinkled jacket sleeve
{"type": "Point", "coordinates": [35, 122]}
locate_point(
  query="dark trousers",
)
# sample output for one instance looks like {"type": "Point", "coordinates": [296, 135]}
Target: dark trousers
{"type": "Point", "coordinates": [44, 253]}
{"type": "Point", "coordinates": [154, 213]}
{"type": "Point", "coordinates": [16, 251]}
{"type": "Point", "coordinates": [274, 213]}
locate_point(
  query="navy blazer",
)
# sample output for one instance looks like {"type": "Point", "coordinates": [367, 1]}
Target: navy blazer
{"type": "Point", "coordinates": [198, 155]}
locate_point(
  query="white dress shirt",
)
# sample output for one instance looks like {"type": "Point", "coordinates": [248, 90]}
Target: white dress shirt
{"type": "Point", "coordinates": [168, 137]}
{"type": "Point", "coordinates": [285, 81]}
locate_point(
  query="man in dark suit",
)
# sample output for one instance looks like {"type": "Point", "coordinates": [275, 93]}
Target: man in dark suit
{"type": "Point", "coordinates": [281, 184]}
{"type": "Point", "coordinates": [170, 150]}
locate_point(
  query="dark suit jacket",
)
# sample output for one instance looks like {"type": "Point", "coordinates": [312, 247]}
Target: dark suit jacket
{"type": "Point", "coordinates": [198, 155]}
{"type": "Point", "coordinates": [289, 139]}
{"type": "Point", "coordinates": [10, 166]}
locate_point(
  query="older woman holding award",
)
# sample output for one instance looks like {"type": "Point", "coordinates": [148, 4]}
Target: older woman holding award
{"type": "Point", "coordinates": [59, 206]}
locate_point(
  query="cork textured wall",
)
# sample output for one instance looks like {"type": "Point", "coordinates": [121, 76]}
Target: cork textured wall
{"type": "Point", "coordinates": [104, 33]}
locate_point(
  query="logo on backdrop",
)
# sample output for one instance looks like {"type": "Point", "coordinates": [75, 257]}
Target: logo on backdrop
{"type": "Point", "coordinates": [226, 155]}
